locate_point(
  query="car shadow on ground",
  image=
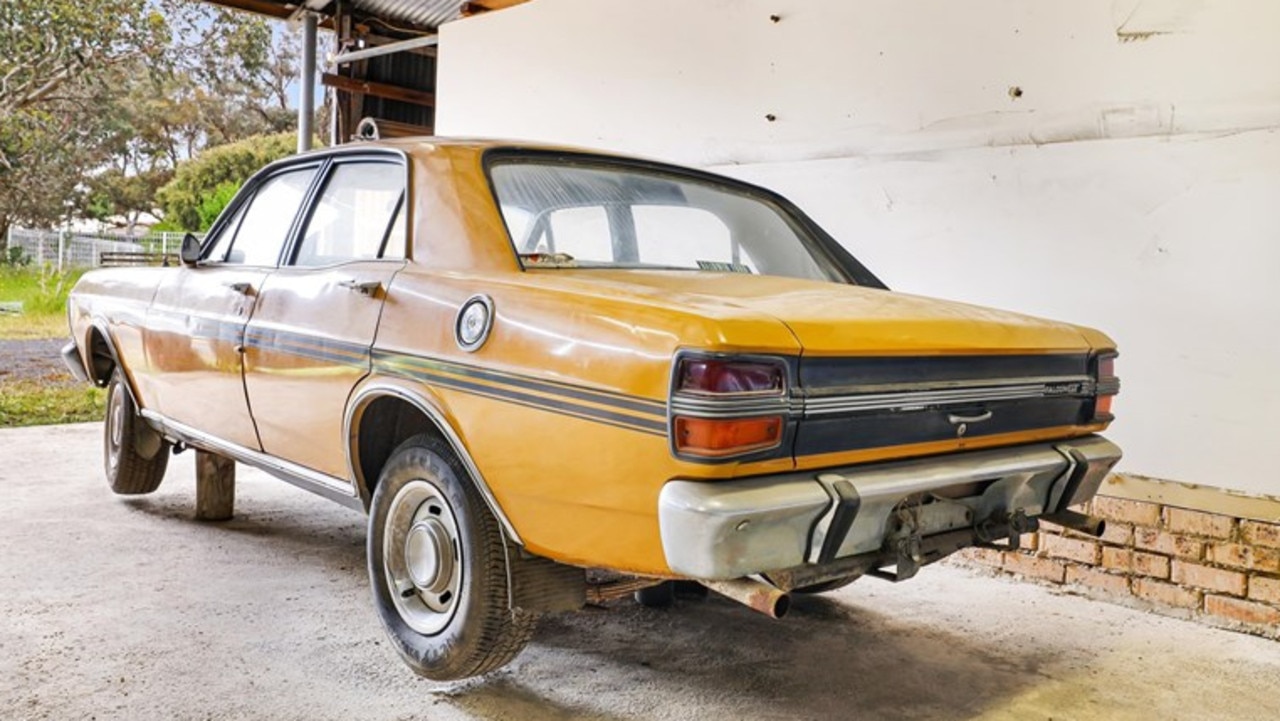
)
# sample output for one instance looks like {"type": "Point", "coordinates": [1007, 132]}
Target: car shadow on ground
{"type": "Point", "coordinates": [830, 657]}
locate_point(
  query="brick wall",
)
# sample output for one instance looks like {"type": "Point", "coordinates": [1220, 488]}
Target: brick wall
{"type": "Point", "coordinates": [1215, 568]}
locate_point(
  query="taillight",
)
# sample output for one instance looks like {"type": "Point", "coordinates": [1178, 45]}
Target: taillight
{"type": "Point", "coordinates": [711, 438]}
{"type": "Point", "coordinates": [723, 407]}
{"type": "Point", "coordinates": [717, 376]}
{"type": "Point", "coordinates": [1107, 386]}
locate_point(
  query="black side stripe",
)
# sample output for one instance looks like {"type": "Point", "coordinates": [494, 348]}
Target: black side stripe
{"type": "Point", "coordinates": [644, 406]}
{"type": "Point", "coordinates": [404, 366]}
{"type": "Point", "coordinates": [621, 411]}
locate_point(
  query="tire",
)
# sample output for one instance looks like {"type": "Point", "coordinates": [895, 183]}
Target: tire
{"type": "Point", "coordinates": [447, 615]}
{"type": "Point", "coordinates": [134, 455]}
{"type": "Point", "coordinates": [662, 595]}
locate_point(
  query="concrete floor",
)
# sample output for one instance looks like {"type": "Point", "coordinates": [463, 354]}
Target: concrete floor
{"type": "Point", "coordinates": [127, 609]}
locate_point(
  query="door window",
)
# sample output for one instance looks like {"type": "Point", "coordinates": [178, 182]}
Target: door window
{"type": "Point", "coordinates": [353, 218]}
{"type": "Point", "coordinates": [265, 224]}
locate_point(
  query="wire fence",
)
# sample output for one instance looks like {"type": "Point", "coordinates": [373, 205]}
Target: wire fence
{"type": "Point", "coordinates": [64, 250]}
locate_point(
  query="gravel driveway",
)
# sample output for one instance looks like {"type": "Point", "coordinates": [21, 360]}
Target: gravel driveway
{"type": "Point", "coordinates": [118, 608]}
{"type": "Point", "coordinates": [32, 360]}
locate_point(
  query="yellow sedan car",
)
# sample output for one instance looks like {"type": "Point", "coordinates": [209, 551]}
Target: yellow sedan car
{"type": "Point", "coordinates": [551, 376]}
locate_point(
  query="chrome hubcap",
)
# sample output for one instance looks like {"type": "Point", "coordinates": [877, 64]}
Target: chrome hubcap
{"type": "Point", "coordinates": [421, 557]}
{"type": "Point", "coordinates": [115, 427]}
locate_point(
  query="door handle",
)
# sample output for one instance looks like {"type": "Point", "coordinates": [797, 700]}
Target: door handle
{"type": "Point", "coordinates": [363, 287]}
{"type": "Point", "coordinates": [241, 287]}
{"type": "Point", "coordinates": [958, 419]}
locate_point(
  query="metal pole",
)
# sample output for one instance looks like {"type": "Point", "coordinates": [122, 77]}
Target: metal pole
{"type": "Point", "coordinates": [380, 50]}
{"type": "Point", "coordinates": [62, 243]}
{"type": "Point", "coordinates": [307, 90]}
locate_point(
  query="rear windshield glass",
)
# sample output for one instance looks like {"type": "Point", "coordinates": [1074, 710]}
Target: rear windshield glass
{"type": "Point", "coordinates": [600, 215]}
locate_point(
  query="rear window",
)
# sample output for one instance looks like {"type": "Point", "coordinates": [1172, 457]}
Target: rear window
{"type": "Point", "coordinates": [586, 214]}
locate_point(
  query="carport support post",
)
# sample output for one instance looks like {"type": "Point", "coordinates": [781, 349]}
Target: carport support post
{"type": "Point", "coordinates": [307, 87]}
{"type": "Point", "coordinates": [215, 487]}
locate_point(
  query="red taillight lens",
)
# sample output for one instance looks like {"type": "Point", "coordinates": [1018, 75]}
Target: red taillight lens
{"type": "Point", "coordinates": [705, 375]}
{"type": "Point", "coordinates": [711, 438]}
{"type": "Point", "coordinates": [1108, 386]}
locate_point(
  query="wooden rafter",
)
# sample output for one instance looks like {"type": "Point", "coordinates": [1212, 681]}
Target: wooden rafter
{"type": "Point", "coordinates": [380, 90]}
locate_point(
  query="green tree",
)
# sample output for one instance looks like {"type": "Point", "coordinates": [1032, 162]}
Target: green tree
{"type": "Point", "coordinates": [100, 100]}
{"type": "Point", "coordinates": [59, 62]}
{"type": "Point", "coordinates": [202, 186]}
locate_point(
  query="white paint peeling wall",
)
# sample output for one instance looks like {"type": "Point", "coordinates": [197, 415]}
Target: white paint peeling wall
{"type": "Point", "coordinates": [1133, 184]}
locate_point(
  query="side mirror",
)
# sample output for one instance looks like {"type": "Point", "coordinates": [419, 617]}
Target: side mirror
{"type": "Point", "coordinates": [190, 253]}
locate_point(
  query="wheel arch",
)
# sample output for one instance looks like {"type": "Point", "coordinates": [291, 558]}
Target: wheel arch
{"type": "Point", "coordinates": [382, 416]}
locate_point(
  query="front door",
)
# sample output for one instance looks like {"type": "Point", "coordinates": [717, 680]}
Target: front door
{"type": "Point", "coordinates": [308, 342]}
{"type": "Point", "coordinates": [194, 335]}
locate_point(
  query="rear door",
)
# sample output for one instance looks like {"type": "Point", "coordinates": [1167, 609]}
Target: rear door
{"type": "Point", "coordinates": [309, 340]}
{"type": "Point", "coordinates": [195, 326]}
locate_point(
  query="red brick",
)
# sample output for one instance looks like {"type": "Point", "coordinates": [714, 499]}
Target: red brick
{"type": "Point", "coordinates": [1150, 539]}
{"type": "Point", "coordinates": [1260, 534]}
{"type": "Point", "coordinates": [1029, 541]}
{"type": "Point", "coordinates": [1165, 594]}
{"type": "Point", "coordinates": [1125, 511]}
{"type": "Point", "coordinates": [1072, 549]}
{"type": "Point", "coordinates": [1196, 523]}
{"type": "Point", "coordinates": [1119, 534]}
{"type": "Point", "coordinates": [1239, 555]}
{"type": "Point", "coordinates": [1243, 611]}
{"type": "Point", "coordinates": [1100, 580]}
{"type": "Point", "coordinates": [1265, 589]}
{"type": "Point", "coordinates": [1129, 561]}
{"type": "Point", "coordinates": [1035, 567]}
{"type": "Point", "coordinates": [1213, 579]}
{"type": "Point", "coordinates": [1149, 564]}
{"type": "Point", "coordinates": [1117, 559]}
{"type": "Point", "coordinates": [982, 556]}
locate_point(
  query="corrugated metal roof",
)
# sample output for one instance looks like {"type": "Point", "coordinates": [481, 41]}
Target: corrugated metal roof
{"type": "Point", "coordinates": [425, 13]}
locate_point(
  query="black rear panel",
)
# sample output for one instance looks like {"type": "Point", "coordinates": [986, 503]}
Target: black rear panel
{"type": "Point", "coordinates": [907, 411]}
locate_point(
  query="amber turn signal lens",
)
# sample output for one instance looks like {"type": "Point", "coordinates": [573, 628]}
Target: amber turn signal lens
{"type": "Point", "coordinates": [1102, 406]}
{"type": "Point", "coordinates": [1108, 386]}
{"type": "Point", "coordinates": [712, 438]}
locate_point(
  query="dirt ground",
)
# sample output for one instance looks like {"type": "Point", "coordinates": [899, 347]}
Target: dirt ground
{"type": "Point", "coordinates": [128, 609]}
{"type": "Point", "coordinates": [33, 360]}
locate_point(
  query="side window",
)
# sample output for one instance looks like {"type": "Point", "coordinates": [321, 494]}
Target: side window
{"type": "Point", "coordinates": [352, 217]}
{"type": "Point", "coordinates": [265, 224]}
{"type": "Point", "coordinates": [220, 244]}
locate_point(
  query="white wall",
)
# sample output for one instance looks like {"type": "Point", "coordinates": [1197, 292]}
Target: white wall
{"type": "Point", "coordinates": [1134, 185]}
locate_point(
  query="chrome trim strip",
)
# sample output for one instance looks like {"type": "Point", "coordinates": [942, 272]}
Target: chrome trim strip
{"type": "Point", "coordinates": [848, 390]}
{"type": "Point", "coordinates": [319, 483]}
{"type": "Point", "coordinates": [910, 396]}
{"type": "Point", "coordinates": [727, 407]}
{"type": "Point", "coordinates": [1108, 386]}
{"type": "Point", "coordinates": [372, 392]}
{"type": "Point", "coordinates": [924, 399]}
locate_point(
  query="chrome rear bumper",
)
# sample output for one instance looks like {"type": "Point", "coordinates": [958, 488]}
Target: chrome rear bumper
{"type": "Point", "coordinates": [71, 358]}
{"type": "Point", "coordinates": [730, 529]}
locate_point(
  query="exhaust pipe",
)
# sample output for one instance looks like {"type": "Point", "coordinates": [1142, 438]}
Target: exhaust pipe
{"type": "Point", "coordinates": [1090, 525]}
{"type": "Point", "coordinates": [772, 602]}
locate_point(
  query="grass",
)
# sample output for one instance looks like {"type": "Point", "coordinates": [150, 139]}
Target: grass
{"type": "Point", "coordinates": [37, 402]}
{"type": "Point", "coordinates": [56, 397]}
{"type": "Point", "coordinates": [43, 295]}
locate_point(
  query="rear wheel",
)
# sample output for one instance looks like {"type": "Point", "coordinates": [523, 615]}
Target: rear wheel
{"type": "Point", "coordinates": [438, 567]}
{"type": "Point", "coordinates": [135, 456]}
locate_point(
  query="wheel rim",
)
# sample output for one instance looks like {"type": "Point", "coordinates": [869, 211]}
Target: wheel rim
{"type": "Point", "coordinates": [422, 557]}
{"type": "Point", "coordinates": [115, 426]}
